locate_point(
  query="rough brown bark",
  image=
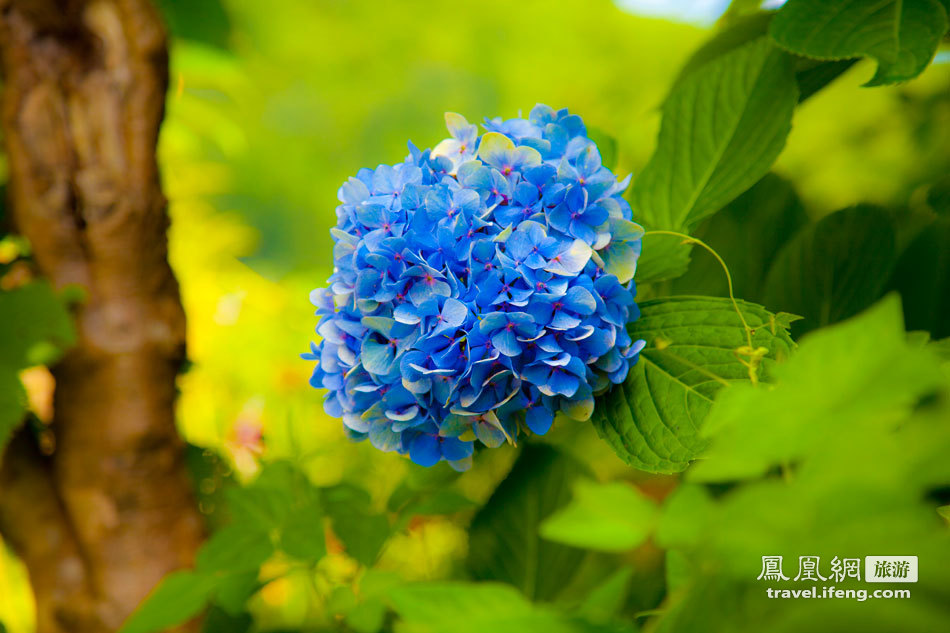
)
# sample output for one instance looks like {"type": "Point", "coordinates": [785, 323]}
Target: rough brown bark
{"type": "Point", "coordinates": [100, 521]}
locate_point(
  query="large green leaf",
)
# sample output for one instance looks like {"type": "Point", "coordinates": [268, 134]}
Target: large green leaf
{"type": "Point", "coordinates": [841, 455]}
{"type": "Point", "coordinates": [179, 597]}
{"type": "Point", "coordinates": [458, 607]}
{"type": "Point", "coordinates": [652, 420]}
{"type": "Point", "coordinates": [722, 128]}
{"type": "Point", "coordinates": [833, 269]}
{"type": "Point", "coordinates": [747, 234]}
{"type": "Point", "coordinates": [811, 75]}
{"type": "Point", "coordinates": [504, 543]}
{"type": "Point", "coordinates": [610, 517]}
{"type": "Point", "coordinates": [863, 370]}
{"type": "Point", "coordinates": [902, 35]}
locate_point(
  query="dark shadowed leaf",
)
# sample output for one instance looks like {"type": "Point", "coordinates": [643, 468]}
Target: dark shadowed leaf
{"type": "Point", "coordinates": [504, 542]}
{"type": "Point", "coordinates": [833, 269]}
{"type": "Point", "coordinates": [747, 234]}
{"type": "Point", "coordinates": [922, 277]}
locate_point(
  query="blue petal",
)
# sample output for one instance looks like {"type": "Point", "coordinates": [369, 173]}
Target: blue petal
{"type": "Point", "coordinates": [425, 450]}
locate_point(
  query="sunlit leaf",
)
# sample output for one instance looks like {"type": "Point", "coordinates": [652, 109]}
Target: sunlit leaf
{"type": "Point", "coordinates": [611, 517]}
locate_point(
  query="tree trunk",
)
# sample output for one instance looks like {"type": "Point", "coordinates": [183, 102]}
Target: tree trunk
{"type": "Point", "coordinates": [111, 511]}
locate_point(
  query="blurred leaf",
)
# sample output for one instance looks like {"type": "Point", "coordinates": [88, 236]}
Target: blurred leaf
{"type": "Point", "coordinates": [239, 547]}
{"type": "Point", "coordinates": [863, 370]}
{"type": "Point", "coordinates": [922, 277]}
{"type": "Point", "coordinates": [504, 543]}
{"type": "Point", "coordinates": [678, 570]}
{"type": "Point", "coordinates": [302, 534]}
{"type": "Point", "coordinates": [652, 420]}
{"type": "Point", "coordinates": [362, 531]}
{"type": "Point", "coordinates": [219, 621]}
{"type": "Point", "coordinates": [901, 35]}
{"type": "Point", "coordinates": [12, 405]}
{"type": "Point", "coordinates": [833, 269]}
{"type": "Point", "coordinates": [707, 152]}
{"type": "Point", "coordinates": [32, 315]}
{"type": "Point", "coordinates": [605, 602]}
{"type": "Point", "coordinates": [859, 445]}
{"type": "Point", "coordinates": [233, 591]}
{"type": "Point", "coordinates": [36, 328]}
{"type": "Point", "coordinates": [212, 478]}
{"type": "Point", "coordinates": [610, 517]}
{"type": "Point", "coordinates": [941, 348]}
{"type": "Point", "coordinates": [938, 197]}
{"type": "Point", "coordinates": [747, 234]}
{"type": "Point", "coordinates": [204, 21]}
{"type": "Point", "coordinates": [179, 597]}
{"type": "Point", "coordinates": [457, 607]}
{"type": "Point", "coordinates": [607, 145]}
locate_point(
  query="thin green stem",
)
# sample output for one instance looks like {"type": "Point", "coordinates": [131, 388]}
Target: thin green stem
{"type": "Point", "coordinates": [753, 354]}
{"type": "Point", "coordinates": [712, 251]}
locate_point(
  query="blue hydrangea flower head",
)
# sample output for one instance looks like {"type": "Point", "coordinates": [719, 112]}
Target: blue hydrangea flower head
{"type": "Point", "coordinates": [479, 289]}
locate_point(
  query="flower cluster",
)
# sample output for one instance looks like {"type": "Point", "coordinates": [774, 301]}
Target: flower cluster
{"type": "Point", "coordinates": [477, 286]}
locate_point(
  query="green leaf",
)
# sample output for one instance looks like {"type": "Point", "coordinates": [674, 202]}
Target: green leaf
{"type": "Point", "coordinates": [220, 621]}
{"type": "Point", "coordinates": [302, 534]}
{"type": "Point", "coordinates": [504, 543]}
{"type": "Point", "coordinates": [833, 269]}
{"type": "Point", "coordinates": [742, 30]}
{"type": "Point", "coordinates": [606, 144]}
{"type": "Point", "coordinates": [747, 234]}
{"type": "Point", "coordinates": [36, 328]}
{"type": "Point", "coordinates": [12, 404]}
{"type": "Point", "coordinates": [458, 607]}
{"type": "Point", "coordinates": [862, 370]}
{"type": "Point", "coordinates": [922, 277]}
{"type": "Point", "coordinates": [902, 35]}
{"type": "Point", "coordinates": [662, 257]}
{"type": "Point", "coordinates": [234, 590]}
{"type": "Point", "coordinates": [652, 420]}
{"type": "Point", "coordinates": [722, 128]}
{"type": "Point", "coordinates": [609, 517]}
{"type": "Point", "coordinates": [606, 600]}
{"type": "Point", "coordinates": [238, 547]}
{"type": "Point", "coordinates": [179, 597]}
{"type": "Point", "coordinates": [362, 531]}
{"type": "Point", "coordinates": [811, 75]}
{"type": "Point", "coordinates": [32, 315]}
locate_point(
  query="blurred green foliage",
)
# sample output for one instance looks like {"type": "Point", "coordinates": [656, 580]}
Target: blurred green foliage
{"type": "Point", "coordinates": [272, 107]}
